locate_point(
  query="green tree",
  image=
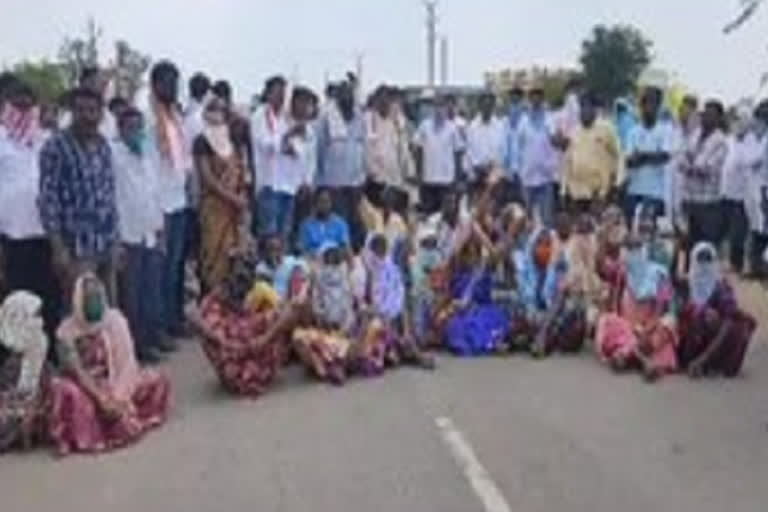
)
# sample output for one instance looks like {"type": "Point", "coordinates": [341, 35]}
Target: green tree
{"type": "Point", "coordinates": [613, 58]}
{"type": "Point", "coordinates": [48, 79]}
{"type": "Point", "coordinates": [76, 53]}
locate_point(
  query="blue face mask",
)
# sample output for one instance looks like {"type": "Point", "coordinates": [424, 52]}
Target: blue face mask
{"type": "Point", "coordinates": [135, 142]}
{"type": "Point", "coordinates": [430, 258]}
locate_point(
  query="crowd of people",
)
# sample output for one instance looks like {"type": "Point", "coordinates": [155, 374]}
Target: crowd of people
{"type": "Point", "coordinates": [342, 236]}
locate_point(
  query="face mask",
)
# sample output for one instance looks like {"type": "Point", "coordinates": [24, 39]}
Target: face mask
{"type": "Point", "coordinates": [93, 309]}
{"type": "Point", "coordinates": [430, 258]}
{"type": "Point", "coordinates": [636, 257]}
{"type": "Point", "coordinates": [135, 142]}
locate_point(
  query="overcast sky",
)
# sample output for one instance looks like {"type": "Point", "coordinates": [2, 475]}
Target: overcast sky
{"type": "Point", "coordinates": [246, 40]}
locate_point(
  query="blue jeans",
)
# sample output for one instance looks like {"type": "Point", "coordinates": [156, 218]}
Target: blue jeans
{"type": "Point", "coordinates": [541, 199]}
{"type": "Point", "coordinates": [140, 296]}
{"type": "Point", "coordinates": [173, 278]}
{"type": "Point", "coordinates": [276, 213]}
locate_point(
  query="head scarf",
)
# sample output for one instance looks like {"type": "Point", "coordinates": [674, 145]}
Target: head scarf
{"type": "Point", "coordinates": [332, 298]}
{"type": "Point", "coordinates": [21, 332]}
{"type": "Point", "coordinates": [387, 291]}
{"type": "Point", "coordinates": [644, 277]}
{"type": "Point", "coordinates": [22, 127]}
{"type": "Point", "coordinates": [703, 277]}
{"type": "Point", "coordinates": [124, 373]}
{"type": "Point", "coordinates": [536, 285]}
{"type": "Point", "coordinates": [216, 133]}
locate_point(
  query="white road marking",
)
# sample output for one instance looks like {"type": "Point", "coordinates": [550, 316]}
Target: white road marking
{"type": "Point", "coordinates": [482, 483]}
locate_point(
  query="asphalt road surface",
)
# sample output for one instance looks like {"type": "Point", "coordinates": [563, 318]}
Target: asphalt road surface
{"type": "Point", "coordinates": [479, 435]}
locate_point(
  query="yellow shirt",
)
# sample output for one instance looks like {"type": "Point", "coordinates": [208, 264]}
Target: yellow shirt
{"type": "Point", "coordinates": [592, 162]}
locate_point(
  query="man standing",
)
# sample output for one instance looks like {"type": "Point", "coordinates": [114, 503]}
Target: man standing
{"type": "Point", "coordinates": [268, 128]}
{"type": "Point", "coordinates": [26, 251]}
{"type": "Point", "coordinates": [592, 161]}
{"type": "Point", "coordinates": [171, 158]}
{"type": "Point", "coordinates": [486, 143]}
{"type": "Point", "coordinates": [388, 156]}
{"type": "Point", "coordinates": [702, 171]}
{"type": "Point", "coordinates": [341, 149]}
{"type": "Point", "coordinates": [510, 183]}
{"type": "Point", "coordinates": [77, 201]}
{"type": "Point", "coordinates": [648, 153]}
{"type": "Point", "coordinates": [540, 159]}
{"type": "Point", "coordinates": [199, 88]}
{"type": "Point", "coordinates": [294, 170]}
{"type": "Point", "coordinates": [141, 226]}
{"type": "Point", "coordinates": [438, 157]}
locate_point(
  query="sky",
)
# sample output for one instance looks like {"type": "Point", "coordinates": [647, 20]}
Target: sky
{"type": "Point", "coordinates": [247, 40]}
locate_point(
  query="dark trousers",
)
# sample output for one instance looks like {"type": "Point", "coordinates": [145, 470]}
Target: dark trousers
{"type": "Point", "coordinates": [374, 192]}
{"type": "Point", "coordinates": [757, 246]}
{"type": "Point", "coordinates": [736, 227]}
{"type": "Point", "coordinates": [632, 201]}
{"type": "Point", "coordinates": [346, 203]}
{"type": "Point", "coordinates": [509, 190]}
{"type": "Point", "coordinates": [704, 223]}
{"type": "Point", "coordinates": [28, 266]}
{"type": "Point", "coordinates": [141, 297]}
{"type": "Point", "coordinates": [431, 197]}
{"type": "Point", "coordinates": [173, 271]}
{"type": "Point", "coordinates": [579, 206]}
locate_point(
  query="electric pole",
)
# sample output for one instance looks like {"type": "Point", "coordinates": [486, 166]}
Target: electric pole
{"type": "Point", "coordinates": [431, 6]}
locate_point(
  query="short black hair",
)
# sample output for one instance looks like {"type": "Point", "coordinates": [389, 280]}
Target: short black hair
{"type": "Point", "coordinates": [271, 83]}
{"type": "Point", "coordinates": [116, 102]}
{"type": "Point", "coordinates": [223, 90]}
{"type": "Point", "coordinates": [590, 98]}
{"type": "Point", "coordinates": [19, 88]}
{"type": "Point", "coordinates": [199, 85]}
{"type": "Point", "coordinates": [86, 94]}
{"type": "Point", "coordinates": [163, 69]}
{"type": "Point", "coordinates": [302, 93]}
{"type": "Point", "coordinates": [7, 79]}
{"type": "Point", "coordinates": [516, 91]}
{"type": "Point", "coordinates": [128, 113]}
{"type": "Point", "coordinates": [88, 72]}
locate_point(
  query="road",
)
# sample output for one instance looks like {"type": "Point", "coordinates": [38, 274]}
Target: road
{"type": "Point", "coordinates": [556, 435]}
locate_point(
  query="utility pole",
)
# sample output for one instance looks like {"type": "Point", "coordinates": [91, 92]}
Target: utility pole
{"type": "Point", "coordinates": [431, 6]}
{"type": "Point", "coordinates": [444, 61]}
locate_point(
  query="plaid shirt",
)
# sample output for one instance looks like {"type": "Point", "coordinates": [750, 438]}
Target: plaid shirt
{"type": "Point", "coordinates": [77, 195]}
{"type": "Point", "coordinates": [702, 167]}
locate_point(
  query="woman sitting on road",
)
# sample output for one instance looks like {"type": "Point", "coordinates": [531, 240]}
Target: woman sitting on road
{"type": "Point", "coordinates": [636, 332]}
{"type": "Point", "coordinates": [103, 400]}
{"type": "Point", "coordinates": [287, 274]}
{"type": "Point", "coordinates": [324, 347]}
{"type": "Point", "coordinates": [714, 332]}
{"type": "Point", "coordinates": [244, 331]}
{"type": "Point", "coordinates": [572, 292]}
{"type": "Point", "coordinates": [23, 379]}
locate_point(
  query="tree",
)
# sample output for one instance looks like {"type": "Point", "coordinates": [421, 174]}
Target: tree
{"type": "Point", "coordinates": [78, 53]}
{"type": "Point", "coordinates": [129, 68]}
{"type": "Point", "coordinates": [613, 58]}
{"type": "Point", "coordinates": [48, 79]}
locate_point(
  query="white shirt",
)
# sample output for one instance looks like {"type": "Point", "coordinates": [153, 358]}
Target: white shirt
{"type": "Point", "coordinates": [138, 198]}
{"type": "Point", "coordinates": [744, 158]}
{"type": "Point", "coordinates": [19, 188]}
{"type": "Point", "coordinates": [267, 129]}
{"type": "Point", "coordinates": [172, 181]}
{"type": "Point", "coordinates": [486, 143]}
{"type": "Point", "coordinates": [439, 148]}
{"type": "Point", "coordinates": [539, 161]}
{"type": "Point", "coordinates": [293, 171]}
